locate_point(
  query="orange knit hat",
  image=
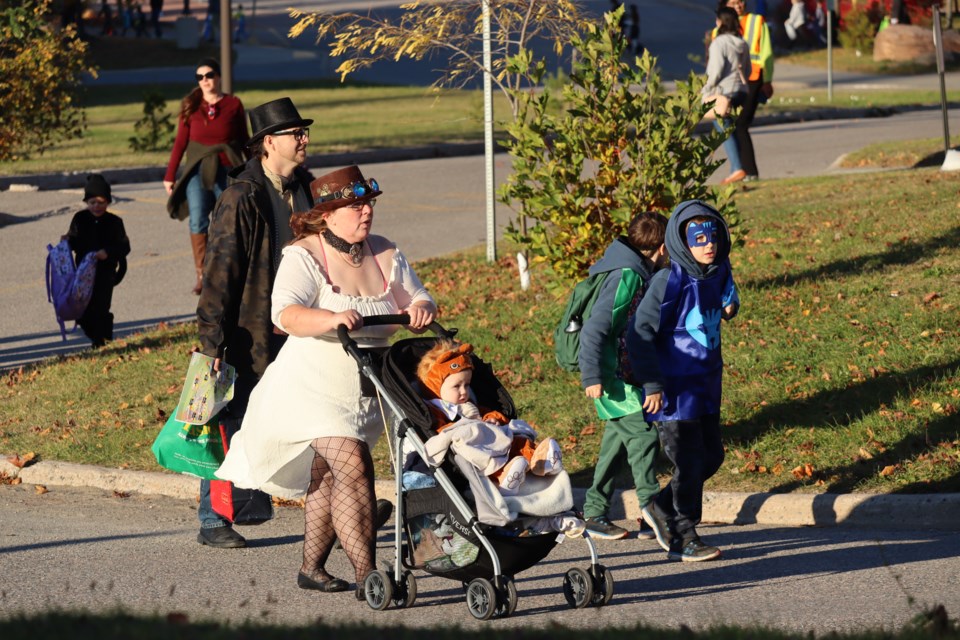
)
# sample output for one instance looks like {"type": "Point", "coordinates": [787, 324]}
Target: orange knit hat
{"type": "Point", "coordinates": [447, 363]}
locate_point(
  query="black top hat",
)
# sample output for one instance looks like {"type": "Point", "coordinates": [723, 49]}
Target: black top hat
{"type": "Point", "coordinates": [274, 116]}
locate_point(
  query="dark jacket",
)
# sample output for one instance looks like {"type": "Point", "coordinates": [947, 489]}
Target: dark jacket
{"type": "Point", "coordinates": [89, 234]}
{"type": "Point", "coordinates": [660, 323]}
{"type": "Point", "coordinates": [208, 158]}
{"type": "Point", "coordinates": [233, 315]}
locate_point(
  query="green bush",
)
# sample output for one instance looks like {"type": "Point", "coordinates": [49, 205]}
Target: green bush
{"type": "Point", "coordinates": [154, 131]}
{"type": "Point", "coordinates": [858, 32]}
{"type": "Point", "coordinates": [618, 144]}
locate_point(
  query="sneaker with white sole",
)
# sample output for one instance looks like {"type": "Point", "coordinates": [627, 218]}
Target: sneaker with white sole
{"type": "Point", "coordinates": [601, 527]}
{"type": "Point", "coordinates": [654, 516]}
{"type": "Point", "coordinates": [693, 550]}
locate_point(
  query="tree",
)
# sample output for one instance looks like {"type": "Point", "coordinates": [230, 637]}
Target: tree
{"type": "Point", "coordinates": [617, 144]}
{"type": "Point", "coordinates": [40, 72]}
{"type": "Point", "coordinates": [452, 28]}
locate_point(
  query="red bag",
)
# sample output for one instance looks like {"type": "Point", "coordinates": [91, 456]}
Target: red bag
{"type": "Point", "coordinates": [239, 506]}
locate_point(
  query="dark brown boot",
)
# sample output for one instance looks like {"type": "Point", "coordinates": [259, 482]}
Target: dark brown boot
{"type": "Point", "coordinates": [199, 243]}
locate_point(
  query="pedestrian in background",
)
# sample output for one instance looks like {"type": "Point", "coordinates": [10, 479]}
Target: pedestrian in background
{"type": "Point", "coordinates": [96, 230]}
{"type": "Point", "coordinates": [211, 135]}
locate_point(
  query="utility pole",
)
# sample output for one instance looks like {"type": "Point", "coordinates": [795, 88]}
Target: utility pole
{"type": "Point", "coordinates": [226, 48]}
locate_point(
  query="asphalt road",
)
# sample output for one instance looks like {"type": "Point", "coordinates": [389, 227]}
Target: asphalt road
{"type": "Point", "coordinates": [430, 207]}
{"type": "Point", "coordinates": [140, 553]}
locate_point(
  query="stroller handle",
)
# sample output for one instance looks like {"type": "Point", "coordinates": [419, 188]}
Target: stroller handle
{"type": "Point", "coordinates": [400, 318]}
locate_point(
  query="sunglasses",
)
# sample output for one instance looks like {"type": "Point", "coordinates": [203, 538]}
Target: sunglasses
{"type": "Point", "coordinates": [298, 134]}
{"type": "Point", "coordinates": [209, 75]}
{"type": "Point", "coordinates": [351, 191]}
{"type": "Point", "coordinates": [358, 206]}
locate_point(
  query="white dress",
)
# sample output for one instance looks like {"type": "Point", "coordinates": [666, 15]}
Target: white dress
{"type": "Point", "coordinates": [312, 389]}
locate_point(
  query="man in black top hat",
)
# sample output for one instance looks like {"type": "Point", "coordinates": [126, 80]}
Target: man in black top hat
{"type": "Point", "coordinates": [248, 228]}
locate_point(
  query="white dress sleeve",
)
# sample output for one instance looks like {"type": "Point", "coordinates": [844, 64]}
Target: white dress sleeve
{"type": "Point", "coordinates": [296, 282]}
{"type": "Point", "coordinates": [405, 284]}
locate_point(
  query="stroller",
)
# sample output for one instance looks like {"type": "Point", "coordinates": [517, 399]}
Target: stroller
{"type": "Point", "coordinates": [436, 529]}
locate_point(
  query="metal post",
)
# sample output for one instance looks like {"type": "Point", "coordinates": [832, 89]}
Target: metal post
{"type": "Point", "coordinates": [938, 45]}
{"type": "Point", "coordinates": [226, 48]}
{"type": "Point", "coordinates": [488, 136]}
{"type": "Point", "coordinates": [827, 4]}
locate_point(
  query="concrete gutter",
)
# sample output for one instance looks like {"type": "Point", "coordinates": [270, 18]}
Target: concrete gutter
{"type": "Point", "coordinates": [861, 510]}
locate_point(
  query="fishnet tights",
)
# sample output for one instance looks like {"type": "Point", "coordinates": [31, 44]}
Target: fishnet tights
{"type": "Point", "coordinates": [339, 504]}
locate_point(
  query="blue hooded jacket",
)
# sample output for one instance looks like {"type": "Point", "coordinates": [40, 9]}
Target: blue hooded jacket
{"type": "Point", "coordinates": [674, 342]}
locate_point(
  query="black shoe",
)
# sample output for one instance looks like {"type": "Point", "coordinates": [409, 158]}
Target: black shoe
{"type": "Point", "coordinates": [653, 516]}
{"type": "Point", "coordinates": [601, 527]}
{"type": "Point", "coordinates": [692, 551]}
{"type": "Point", "coordinates": [333, 585]}
{"type": "Point", "coordinates": [221, 538]}
{"type": "Point", "coordinates": [383, 513]}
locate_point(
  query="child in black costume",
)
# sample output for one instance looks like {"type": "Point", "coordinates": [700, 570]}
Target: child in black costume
{"type": "Point", "coordinates": [96, 230]}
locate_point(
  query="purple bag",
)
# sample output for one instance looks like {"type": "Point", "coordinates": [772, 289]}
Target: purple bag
{"type": "Point", "coordinates": [69, 288]}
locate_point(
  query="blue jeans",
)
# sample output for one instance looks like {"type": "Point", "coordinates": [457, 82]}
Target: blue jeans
{"type": "Point", "coordinates": [696, 451]}
{"type": "Point", "coordinates": [201, 200]}
{"type": "Point", "coordinates": [729, 145]}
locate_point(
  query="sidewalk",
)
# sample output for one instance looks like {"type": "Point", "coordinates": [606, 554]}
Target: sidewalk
{"type": "Point", "coordinates": [859, 510]}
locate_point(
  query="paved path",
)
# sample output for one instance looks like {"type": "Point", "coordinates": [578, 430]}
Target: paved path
{"type": "Point", "coordinates": [139, 553]}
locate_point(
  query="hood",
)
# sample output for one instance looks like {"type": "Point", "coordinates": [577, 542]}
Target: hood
{"type": "Point", "coordinates": [676, 240]}
{"type": "Point", "coordinates": [621, 255]}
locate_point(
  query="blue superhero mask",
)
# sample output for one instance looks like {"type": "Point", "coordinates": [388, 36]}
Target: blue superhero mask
{"type": "Point", "coordinates": [700, 234]}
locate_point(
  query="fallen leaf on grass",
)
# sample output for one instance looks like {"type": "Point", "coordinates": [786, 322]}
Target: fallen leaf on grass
{"type": "Point", "coordinates": [930, 297]}
{"type": "Point", "coordinates": [866, 455]}
{"type": "Point", "coordinates": [40, 489]}
{"type": "Point", "coordinates": [802, 471]}
{"type": "Point", "coordinates": [22, 461]}
{"type": "Point", "coordinates": [888, 470]}
{"type": "Point", "coordinates": [588, 431]}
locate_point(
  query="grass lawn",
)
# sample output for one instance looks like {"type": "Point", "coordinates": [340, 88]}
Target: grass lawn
{"type": "Point", "coordinates": [366, 116]}
{"type": "Point", "coordinates": [848, 60]}
{"type": "Point", "coordinates": [925, 152]}
{"type": "Point", "coordinates": [842, 371]}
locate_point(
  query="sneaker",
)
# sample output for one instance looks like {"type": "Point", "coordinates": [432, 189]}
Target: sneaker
{"type": "Point", "coordinates": [654, 516]}
{"type": "Point", "coordinates": [692, 551]}
{"type": "Point", "coordinates": [601, 527]}
{"type": "Point", "coordinates": [512, 475]}
{"type": "Point", "coordinates": [547, 459]}
{"type": "Point", "coordinates": [221, 538]}
{"type": "Point", "coordinates": [644, 532]}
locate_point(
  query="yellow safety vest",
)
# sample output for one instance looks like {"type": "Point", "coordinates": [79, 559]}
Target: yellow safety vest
{"type": "Point", "coordinates": [752, 27]}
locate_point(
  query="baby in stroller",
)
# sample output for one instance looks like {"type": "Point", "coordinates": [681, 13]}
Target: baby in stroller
{"type": "Point", "coordinates": [504, 450]}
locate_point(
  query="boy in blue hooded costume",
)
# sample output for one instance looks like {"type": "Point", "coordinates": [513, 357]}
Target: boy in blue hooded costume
{"type": "Point", "coordinates": [674, 351]}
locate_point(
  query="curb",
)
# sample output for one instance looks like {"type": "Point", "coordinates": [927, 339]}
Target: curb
{"type": "Point", "coordinates": [940, 511]}
{"type": "Point", "coordinates": [132, 175]}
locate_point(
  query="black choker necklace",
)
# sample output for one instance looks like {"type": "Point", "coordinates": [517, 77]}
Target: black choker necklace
{"type": "Point", "coordinates": [352, 249]}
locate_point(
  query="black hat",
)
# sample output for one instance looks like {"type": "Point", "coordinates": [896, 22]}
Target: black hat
{"type": "Point", "coordinates": [97, 187]}
{"type": "Point", "coordinates": [274, 116]}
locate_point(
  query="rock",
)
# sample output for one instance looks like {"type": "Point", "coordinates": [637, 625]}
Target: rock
{"type": "Point", "coordinates": [905, 43]}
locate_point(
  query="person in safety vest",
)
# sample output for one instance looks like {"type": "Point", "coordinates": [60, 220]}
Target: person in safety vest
{"type": "Point", "coordinates": [759, 83]}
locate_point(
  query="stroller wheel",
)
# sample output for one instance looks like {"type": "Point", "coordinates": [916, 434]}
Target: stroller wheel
{"type": "Point", "coordinates": [481, 599]}
{"type": "Point", "coordinates": [406, 594]}
{"type": "Point", "coordinates": [578, 588]}
{"type": "Point", "coordinates": [506, 597]}
{"type": "Point", "coordinates": [378, 589]}
{"type": "Point", "coordinates": [602, 585]}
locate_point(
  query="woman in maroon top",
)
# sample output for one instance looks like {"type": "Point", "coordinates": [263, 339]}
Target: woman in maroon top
{"type": "Point", "coordinates": [211, 135]}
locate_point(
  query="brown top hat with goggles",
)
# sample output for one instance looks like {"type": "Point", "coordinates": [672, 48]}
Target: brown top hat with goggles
{"type": "Point", "coordinates": [274, 116]}
{"type": "Point", "coordinates": [342, 188]}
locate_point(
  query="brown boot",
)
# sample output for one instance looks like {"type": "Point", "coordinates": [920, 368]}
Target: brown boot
{"type": "Point", "coordinates": [199, 243]}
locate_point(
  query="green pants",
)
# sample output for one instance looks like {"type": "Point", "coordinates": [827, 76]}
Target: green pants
{"type": "Point", "coordinates": [627, 440]}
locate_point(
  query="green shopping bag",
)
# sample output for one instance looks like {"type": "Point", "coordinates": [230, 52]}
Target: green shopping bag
{"type": "Point", "coordinates": [194, 449]}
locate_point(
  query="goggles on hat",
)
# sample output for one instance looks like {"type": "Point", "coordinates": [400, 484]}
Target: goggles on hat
{"type": "Point", "coordinates": [700, 234]}
{"type": "Point", "coordinates": [350, 192]}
